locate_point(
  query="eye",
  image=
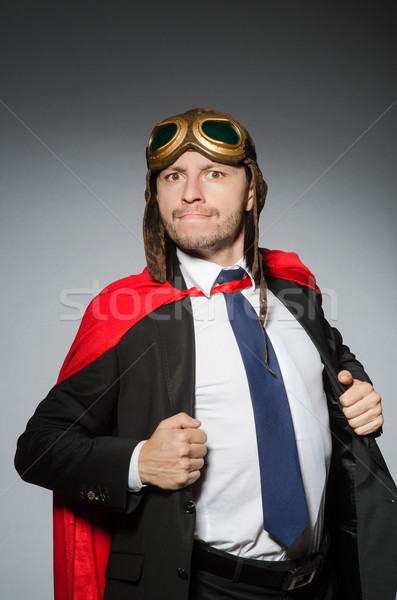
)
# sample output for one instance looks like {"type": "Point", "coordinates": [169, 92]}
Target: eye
{"type": "Point", "coordinates": [215, 174]}
{"type": "Point", "coordinates": [173, 177]}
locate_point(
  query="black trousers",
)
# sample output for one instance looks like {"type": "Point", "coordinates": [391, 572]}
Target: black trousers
{"type": "Point", "coordinates": [206, 586]}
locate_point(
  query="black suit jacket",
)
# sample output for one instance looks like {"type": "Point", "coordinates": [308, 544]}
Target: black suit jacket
{"type": "Point", "coordinates": [82, 435]}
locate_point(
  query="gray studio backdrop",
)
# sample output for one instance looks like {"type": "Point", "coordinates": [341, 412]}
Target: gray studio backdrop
{"type": "Point", "coordinates": [81, 85]}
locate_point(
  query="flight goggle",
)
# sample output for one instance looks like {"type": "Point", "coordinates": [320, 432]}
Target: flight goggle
{"type": "Point", "coordinates": [220, 138]}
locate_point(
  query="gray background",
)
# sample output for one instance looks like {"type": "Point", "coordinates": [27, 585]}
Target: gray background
{"type": "Point", "coordinates": [82, 84]}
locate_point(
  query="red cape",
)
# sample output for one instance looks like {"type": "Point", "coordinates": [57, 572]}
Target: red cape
{"type": "Point", "coordinates": [82, 535]}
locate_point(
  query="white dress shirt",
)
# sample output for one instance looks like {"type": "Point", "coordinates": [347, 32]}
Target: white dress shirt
{"type": "Point", "coordinates": [228, 493]}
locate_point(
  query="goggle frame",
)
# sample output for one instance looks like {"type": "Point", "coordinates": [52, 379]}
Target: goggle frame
{"type": "Point", "coordinates": [190, 134]}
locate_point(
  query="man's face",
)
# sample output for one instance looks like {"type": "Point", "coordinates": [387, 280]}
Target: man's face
{"type": "Point", "coordinates": [203, 206]}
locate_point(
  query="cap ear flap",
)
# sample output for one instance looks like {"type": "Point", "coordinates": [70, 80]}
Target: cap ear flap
{"type": "Point", "coordinates": [255, 264]}
{"type": "Point", "coordinates": [260, 190]}
{"type": "Point", "coordinates": [259, 183]}
{"type": "Point", "coordinates": [154, 234]}
{"type": "Point", "coordinates": [250, 200]}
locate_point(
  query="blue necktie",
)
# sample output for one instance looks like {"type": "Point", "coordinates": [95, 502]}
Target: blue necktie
{"type": "Point", "coordinates": [285, 513]}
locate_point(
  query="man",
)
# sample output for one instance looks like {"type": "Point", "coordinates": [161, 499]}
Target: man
{"type": "Point", "coordinates": [197, 403]}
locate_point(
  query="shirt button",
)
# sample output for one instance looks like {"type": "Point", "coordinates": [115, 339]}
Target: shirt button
{"type": "Point", "coordinates": [189, 507]}
{"type": "Point", "coordinates": [182, 573]}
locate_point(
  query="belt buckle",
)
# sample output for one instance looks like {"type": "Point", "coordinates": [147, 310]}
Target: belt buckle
{"type": "Point", "coordinates": [302, 576]}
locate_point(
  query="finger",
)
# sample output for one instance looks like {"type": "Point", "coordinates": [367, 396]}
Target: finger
{"type": "Point", "coordinates": [196, 436]}
{"type": "Point", "coordinates": [179, 421]}
{"type": "Point", "coordinates": [193, 476]}
{"type": "Point", "coordinates": [345, 377]}
{"type": "Point", "coordinates": [365, 417]}
{"type": "Point", "coordinates": [358, 391]}
{"type": "Point", "coordinates": [370, 427]}
{"type": "Point", "coordinates": [355, 405]}
{"type": "Point", "coordinates": [196, 464]}
{"type": "Point", "coordinates": [198, 450]}
{"type": "Point", "coordinates": [184, 479]}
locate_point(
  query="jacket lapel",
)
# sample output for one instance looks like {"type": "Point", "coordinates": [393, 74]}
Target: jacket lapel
{"type": "Point", "coordinates": [301, 303]}
{"type": "Point", "coordinates": [175, 330]}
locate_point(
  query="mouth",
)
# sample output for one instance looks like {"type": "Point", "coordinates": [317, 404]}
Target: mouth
{"type": "Point", "coordinates": [194, 216]}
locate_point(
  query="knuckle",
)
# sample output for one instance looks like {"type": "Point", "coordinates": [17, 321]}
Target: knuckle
{"type": "Point", "coordinates": [354, 424]}
{"type": "Point", "coordinates": [184, 464]}
{"type": "Point", "coordinates": [361, 431]}
{"type": "Point", "coordinates": [371, 400]}
{"type": "Point", "coordinates": [182, 479]}
{"type": "Point", "coordinates": [182, 435]}
{"type": "Point", "coordinates": [184, 450]}
{"type": "Point", "coordinates": [347, 411]}
{"type": "Point", "coordinates": [367, 387]}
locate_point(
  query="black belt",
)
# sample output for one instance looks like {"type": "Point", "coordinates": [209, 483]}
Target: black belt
{"type": "Point", "coordinates": [284, 575]}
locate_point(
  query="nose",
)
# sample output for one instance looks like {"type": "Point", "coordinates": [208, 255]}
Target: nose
{"type": "Point", "coordinates": [192, 191]}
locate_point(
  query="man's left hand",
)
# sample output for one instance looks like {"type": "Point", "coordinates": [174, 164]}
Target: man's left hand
{"type": "Point", "coordinates": [362, 406]}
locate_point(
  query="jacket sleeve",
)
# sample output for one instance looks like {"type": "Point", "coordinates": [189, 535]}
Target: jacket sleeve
{"type": "Point", "coordinates": [71, 444]}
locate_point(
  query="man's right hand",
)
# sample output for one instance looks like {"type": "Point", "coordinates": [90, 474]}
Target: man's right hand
{"type": "Point", "coordinates": [172, 458]}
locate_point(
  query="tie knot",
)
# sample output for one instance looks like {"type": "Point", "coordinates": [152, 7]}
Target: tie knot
{"type": "Point", "coordinates": [227, 275]}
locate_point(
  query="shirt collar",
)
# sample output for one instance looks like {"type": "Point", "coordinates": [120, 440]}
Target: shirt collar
{"type": "Point", "coordinates": [202, 274]}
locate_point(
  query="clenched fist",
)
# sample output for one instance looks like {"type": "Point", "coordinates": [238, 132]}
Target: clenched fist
{"type": "Point", "coordinates": [173, 456]}
{"type": "Point", "coordinates": [362, 406]}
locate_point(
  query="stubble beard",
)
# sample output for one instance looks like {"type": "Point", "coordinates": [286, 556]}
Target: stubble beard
{"type": "Point", "coordinates": [222, 237]}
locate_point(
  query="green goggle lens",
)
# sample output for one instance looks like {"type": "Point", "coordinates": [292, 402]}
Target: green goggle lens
{"type": "Point", "coordinates": [163, 135]}
{"type": "Point", "coordinates": [221, 132]}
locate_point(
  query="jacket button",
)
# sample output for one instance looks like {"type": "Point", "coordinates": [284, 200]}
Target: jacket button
{"type": "Point", "coordinates": [189, 507]}
{"type": "Point", "coordinates": [182, 573]}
